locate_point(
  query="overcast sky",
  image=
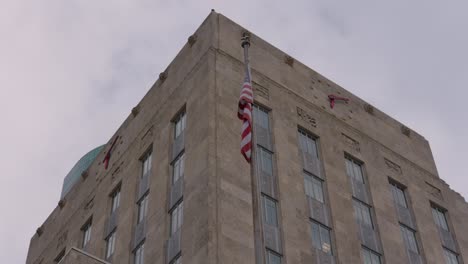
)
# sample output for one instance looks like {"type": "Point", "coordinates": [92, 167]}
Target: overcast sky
{"type": "Point", "coordinates": [71, 71]}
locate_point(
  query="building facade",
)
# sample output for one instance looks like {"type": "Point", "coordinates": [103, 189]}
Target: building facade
{"type": "Point", "coordinates": [342, 184]}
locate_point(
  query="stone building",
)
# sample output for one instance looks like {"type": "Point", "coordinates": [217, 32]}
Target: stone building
{"type": "Point", "coordinates": [347, 184]}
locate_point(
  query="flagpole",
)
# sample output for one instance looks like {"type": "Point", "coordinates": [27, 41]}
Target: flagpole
{"type": "Point", "coordinates": [257, 220]}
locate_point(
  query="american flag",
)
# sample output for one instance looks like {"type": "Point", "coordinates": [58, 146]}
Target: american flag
{"type": "Point", "coordinates": [109, 153]}
{"type": "Point", "coordinates": [245, 114]}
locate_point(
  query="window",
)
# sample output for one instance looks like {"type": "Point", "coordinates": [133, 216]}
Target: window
{"type": "Point", "coordinates": [272, 258]}
{"type": "Point", "coordinates": [307, 143]}
{"type": "Point", "coordinates": [60, 256]}
{"type": "Point", "coordinates": [260, 117]}
{"type": "Point", "coordinates": [398, 193]}
{"type": "Point", "coordinates": [270, 211]}
{"type": "Point", "coordinates": [177, 215]}
{"type": "Point", "coordinates": [142, 208]}
{"type": "Point", "coordinates": [86, 229]}
{"type": "Point", "coordinates": [177, 260]}
{"type": "Point", "coordinates": [313, 187]}
{"type": "Point", "coordinates": [354, 170]}
{"type": "Point", "coordinates": [409, 236]}
{"type": "Point", "coordinates": [146, 163]}
{"type": "Point", "coordinates": [362, 213]}
{"type": "Point", "coordinates": [179, 123]}
{"type": "Point", "coordinates": [439, 217]}
{"type": "Point", "coordinates": [450, 257]}
{"type": "Point", "coordinates": [139, 254]}
{"type": "Point", "coordinates": [321, 238]}
{"type": "Point", "coordinates": [110, 244]}
{"type": "Point", "coordinates": [266, 161]}
{"type": "Point", "coordinates": [178, 168]}
{"type": "Point", "coordinates": [370, 257]}
{"type": "Point", "coordinates": [115, 196]}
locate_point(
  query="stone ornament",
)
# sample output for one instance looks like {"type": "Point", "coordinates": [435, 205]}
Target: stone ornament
{"type": "Point", "coordinates": [393, 166]}
{"type": "Point", "coordinates": [261, 91]}
{"type": "Point", "coordinates": [135, 110]}
{"type": "Point", "coordinates": [369, 109]}
{"type": "Point", "coordinates": [405, 130]}
{"type": "Point", "coordinates": [306, 117]}
{"type": "Point", "coordinates": [61, 203]}
{"type": "Point", "coordinates": [192, 39]}
{"type": "Point", "coordinates": [163, 76]}
{"type": "Point", "coordinates": [352, 143]}
{"type": "Point", "coordinates": [289, 60]}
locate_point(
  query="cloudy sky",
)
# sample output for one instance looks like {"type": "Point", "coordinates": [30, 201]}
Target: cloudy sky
{"type": "Point", "coordinates": [71, 71]}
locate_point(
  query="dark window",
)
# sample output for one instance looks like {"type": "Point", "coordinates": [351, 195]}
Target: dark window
{"type": "Point", "coordinates": [86, 231]}
{"type": "Point", "coordinates": [60, 256]}
{"type": "Point", "coordinates": [307, 143]}
{"type": "Point", "coordinates": [354, 170]}
{"type": "Point", "coordinates": [177, 215]}
{"type": "Point", "coordinates": [398, 193]}
{"type": "Point", "coordinates": [178, 168]}
{"type": "Point", "coordinates": [362, 213]}
{"type": "Point", "coordinates": [409, 236]}
{"type": "Point", "coordinates": [142, 208]}
{"type": "Point", "coordinates": [110, 244]}
{"type": "Point", "coordinates": [115, 196]}
{"type": "Point", "coordinates": [271, 214]}
{"type": "Point", "coordinates": [369, 256]}
{"type": "Point", "coordinates": [272, 258]}
{"type": "Point", "coordinates": [439, 217]}
{"type": "Point", "coordinates": [450, 257]}
{"type": "Point", "coordinates": [139, 254]}
{"type": "Point", "coordinates": [321, 237]}
{"type": "Point", "coordinates": [313, 187]}
{"type": "Point", "coordinates": [260, 117]}
{"type": "Point", "coordinates": [179, 124]}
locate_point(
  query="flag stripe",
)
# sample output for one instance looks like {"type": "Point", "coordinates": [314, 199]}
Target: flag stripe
{"type": "Point", "coordinates": [245, 114]}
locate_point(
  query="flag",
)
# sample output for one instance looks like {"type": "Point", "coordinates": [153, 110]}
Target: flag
{"type": "Point", "coordinates": [109, 153]}
{"type": "Point", "coordinates": [245, 114]}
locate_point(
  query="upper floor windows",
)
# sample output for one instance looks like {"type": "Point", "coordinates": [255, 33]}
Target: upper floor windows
{"type": "Point", "coordinates": [321, 238]}
{"type": "Point", "coordinates": [115, 197]}
{"type": "Point", "coordinates": [398, 193]}
{"type": "Point", "coordinates": [354, 170]}
{"type": "Point", "coordinates": [86, 231]}
{"type": "Point", "coordinates": [139, 254]}
{"type": "Point", "coordinates": [110, 245]}
{"type": "Point", "coordinates": [178, 168]}
{"type": "Point", "coordinates": [439, 217]}
{"type": "Point", "coordinates": [362, 213]}
{"type": "Point", "coordinates": [146, 163]}
{"type": "Point", "coordinates": [450, 257]}
{"type": "Point", "coordinates": [177, 215]}
{"type": "Point", "coordinates": [307, 143]}
{"type": "Point", "coordinates": [370, 257]}
{"type": "Point", "coordinates": [409, 237]}
{"type": "Point", "coordinates": [313, 187]}
{"type": "Point", "coordinates": [142, 208]}
{"type": "Point", "coordinates": [260, 117]}
{"type": "Point", "coordinates": [179, 123]}
{"type": "Point", "coordinates": [271, 211]}
{"type": "Point", "coordinates": [266, 161]}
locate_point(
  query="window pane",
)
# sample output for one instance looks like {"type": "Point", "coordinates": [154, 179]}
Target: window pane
{"type": "Point", "coordinates": [179, 124]}
{"type": "Point", "coordinates": [439, 218]}
{"type": "Point", "coordinates": [270, 211]}
{"type": "Point", "coordinates": [178, 169]}
{"type": "Point", "coordinates": [369, 257]}
{"type": "Point", "coordinates": [316, 243]}
{"type": "Point", "coordinates": [261, 117]}
{"type": "Point", "coordinates": [176, 217]}
{"type": "Point", "coordinates": [362, 213]}
{"type": "Point", "coordinates": [357, 172]}
{"type": "Point", "coordinates": [142, 207]}
{"type": "Point", "coordinates": [409, 237]}
{"type": "Point", "coordinates": [110, 245]}
{"type": "Point", "coordinates": [273, 258]}
{"type": "Point", "coordinates": [450, 257]}
{"type": "Point", "coordinates": [86, 234]}
{"type": "Point", "coordinates": [115, 200]}
{"type": "Point", "coordinates": [139, 253]}
{"type": "Point", "coordinates": [266, 161]}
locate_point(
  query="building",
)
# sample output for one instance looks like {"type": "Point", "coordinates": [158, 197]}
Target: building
{"type": "Point", "coordinates": [347, 184]}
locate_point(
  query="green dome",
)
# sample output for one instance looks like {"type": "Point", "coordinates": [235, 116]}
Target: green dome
{"type": "Point", "coordinates": [75, 173]}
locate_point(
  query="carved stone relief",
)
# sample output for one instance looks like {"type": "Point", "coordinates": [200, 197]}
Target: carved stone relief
{"type": "Point", "coordinates": [261, 91]}
{"type": "Point", "coordinates": [352, 143]}
{"type": "Point", "coordinates": [395, 168]}
{"type": "Point", "coordinates": [306, 117]}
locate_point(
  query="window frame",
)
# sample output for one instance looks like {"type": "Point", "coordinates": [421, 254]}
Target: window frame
{"type": "Point", "coordinates": [358, 217]}
{"type": "Point", "coordinates": [270, 253]}
{"type": "Point", "coordinates": [142, 210]}
{"type": "Point", "coordinates": [115, 199]}
{"type": "Point", "coordinates": [439, 214]}
{"type": "Point", "coordinates": [371, 254]}
{"type": "Point", "coordinates": [179, 122]}
{"type": "Point", "coordinates": [139, 254]}
{"type": "Point", "coordinates": [146, 163]}
{"type": "Point", "coordinates": [176, 217]}
{"type": "Point", "coordinates": [410, 244]}
{"type": "Point", "coordinates": [178, 167]}
{"type": "Point", "coordinates": [266, 215]}
{"type": "Point", "coordinates": [351, 164]}
{"type": "Point", "coordinates": [86, 230]}
{"type": "Point", "coordinates": [315, 184]}
{"type": "Point", "coordinates": [264, 118]}
{"type": "Point", "coordinates": [449, 253]}
{"type": "Point", "coordinates": [110, 244]}
{"type": "Point", "coordinates": [319, 244]}
{"type": "Point", "coordinates": [307, 137]}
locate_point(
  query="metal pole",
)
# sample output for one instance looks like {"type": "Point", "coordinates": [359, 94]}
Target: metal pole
{"type": "Point", "coordinates": [256, 212]}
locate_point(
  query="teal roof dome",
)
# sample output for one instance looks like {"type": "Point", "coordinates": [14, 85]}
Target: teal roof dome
{"type": "Point", "coordinates": [75, 173]}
